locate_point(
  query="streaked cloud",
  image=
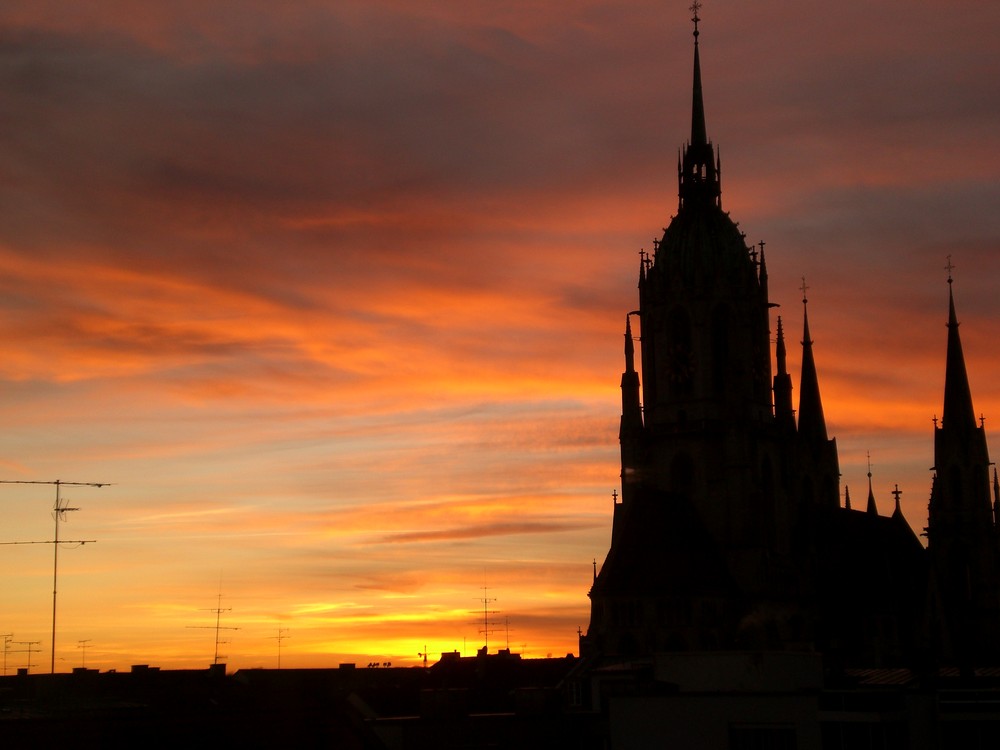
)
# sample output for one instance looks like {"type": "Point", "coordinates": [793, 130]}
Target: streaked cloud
{"type": "Point", "coordinates": [334, 292]}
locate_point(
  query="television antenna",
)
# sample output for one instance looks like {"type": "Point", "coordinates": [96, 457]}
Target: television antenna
{"type": "Point", "coordinates": [218, 609]}
{"type": "Point", "coordinates": [424, 655]}
{"type": "Point", "coordinates": [82, 644]}
{"type": "Point", "coordinates": [30, 649]}
{"type": "Point", "coordinates": [282, 635]}
{"type": "Point", "coordinates": [487, 622]}
{"type": "Point", "coordinates": [6, 647]}
{"type": "Point", "coordinates": [59, 511]}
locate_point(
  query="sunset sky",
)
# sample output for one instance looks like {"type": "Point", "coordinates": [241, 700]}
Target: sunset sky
{"type": "Point", "coordinates": [333, 293]}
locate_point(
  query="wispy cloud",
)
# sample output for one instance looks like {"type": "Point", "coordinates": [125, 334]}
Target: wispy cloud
{"type": "Point", "coordinates": [334, 293]}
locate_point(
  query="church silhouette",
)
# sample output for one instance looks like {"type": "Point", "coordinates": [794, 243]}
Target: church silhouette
{"type": "Point", "coordinates": [729, 533]}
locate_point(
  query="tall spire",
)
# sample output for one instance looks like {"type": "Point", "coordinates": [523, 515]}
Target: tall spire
{"type": "Point", "coordinates": [958, 411]}
{"type": "Point", "coordinates": [698, 132]}
{"type": "Point", "coordinates": [812, 423]}
{"type": "Point", "coordinates": [699, 173]}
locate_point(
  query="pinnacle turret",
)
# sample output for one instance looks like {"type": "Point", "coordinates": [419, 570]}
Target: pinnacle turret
{"type": "Point", "coordinates": [783, 413]}
{"type": "Point", "coordinates": [812, 423]}
{"type": "Point", "coordinates": [871, 508]}
{"type": "Point", "coordinates": [699, 136]}
{"type": "Point", "coordinates": [958, 412]}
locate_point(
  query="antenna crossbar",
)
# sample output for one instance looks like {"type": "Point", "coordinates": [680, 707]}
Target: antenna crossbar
{"type": "Point", "coordinates": [59, 511]}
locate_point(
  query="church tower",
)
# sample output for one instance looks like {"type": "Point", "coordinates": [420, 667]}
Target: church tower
{"type": "Point", "coordinates": [710, 540]}
{"type": "Point", "coordinates": [962, 530]}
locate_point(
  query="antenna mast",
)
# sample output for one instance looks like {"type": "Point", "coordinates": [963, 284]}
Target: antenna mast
{"type": "Point", "coordinates": [6, 647]}
{"type": "Point", "coordinates": [58, 512]}
{"type": "Point", "coordinates": [218, 626]}
{"type": "Point", "coordinates": [282, 635]}
{"type": "Point", "coordinates": [487, 622]}
{"type": "Point", "coordinates": [30, 649]}
{"type": "Point", "coordinates": [82, 644]}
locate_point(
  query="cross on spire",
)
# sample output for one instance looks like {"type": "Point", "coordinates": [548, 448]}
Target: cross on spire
{"type": "Point", "coordinates": [804, 287]}
{"type": "Point", "coordinates": [949, 268]}
{"type": "Point", "coordinates": [695, 7]}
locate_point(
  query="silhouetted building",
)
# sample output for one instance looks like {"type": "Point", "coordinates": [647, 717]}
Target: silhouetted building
{"type": "Point", "coordinates": [729, 533]}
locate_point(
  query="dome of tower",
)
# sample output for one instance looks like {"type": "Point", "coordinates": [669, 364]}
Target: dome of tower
{"type": "Point", "coordinates": [703, 244]}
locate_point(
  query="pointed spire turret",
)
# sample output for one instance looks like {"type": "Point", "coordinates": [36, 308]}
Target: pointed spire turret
{"type": "Point", "coordinates": [631, 421]}
{"type": "Point", "coordinates": [996, 499]}
{"type": "Point", "coordinates": [812, 423]}
{"type": "Point", "coordinates": [783, 412]}
{"type": "Point", "coordinates": [699, 173]}
{"type": "Point", "coordinates": [629, 346]}
{"type": "Point", "coordinates": [958, 412]}
{"type": "Point", "coordinates": [961, 532]}
{"type": "Point", "coordinates": [871, 509]}
{"type": "Point", "coordinates": [699, 136]}
{"type": "Point", "coordinates": [898, 512]}
{"type": "Point", "coordinates": [847, 497]}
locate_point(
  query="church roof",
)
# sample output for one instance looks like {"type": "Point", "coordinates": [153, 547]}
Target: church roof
{"type": "Point", "coordinates": [663, 548]}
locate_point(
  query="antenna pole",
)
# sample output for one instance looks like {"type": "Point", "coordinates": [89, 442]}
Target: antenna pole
{"type": "Point", "coordinates": [6, 647]}
{"type": "Point", "coordinates": [282, 635]}
{"type": "Point", "coordinates": [55, 572]}
{"type": "Point", "coordinates": [58, 510]}
{"type": "Point", "coordinates": [487, 622]}
{"type": "Point", "coordinates": [218, 609]}
{"type": "Point", "coordinates": [82, 644]}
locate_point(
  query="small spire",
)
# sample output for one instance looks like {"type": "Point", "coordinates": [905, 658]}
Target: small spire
{"type": "Point", "coordinates": [779, 350]}
{"type": "Point", "coordinates": [783, 413]}
{"type": "Point", "coordinates": [699, 136]}
{"type": "Point", "coordinates": [629, 345]}
{"type": "Point", "coordinates": [847, 497]}
{"type": "Point", "coordinates": [996, 499]}
{"type": "Point", "coordinates": [897, 492]}
{"type": "Point", "coordinates": [871, 495]}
